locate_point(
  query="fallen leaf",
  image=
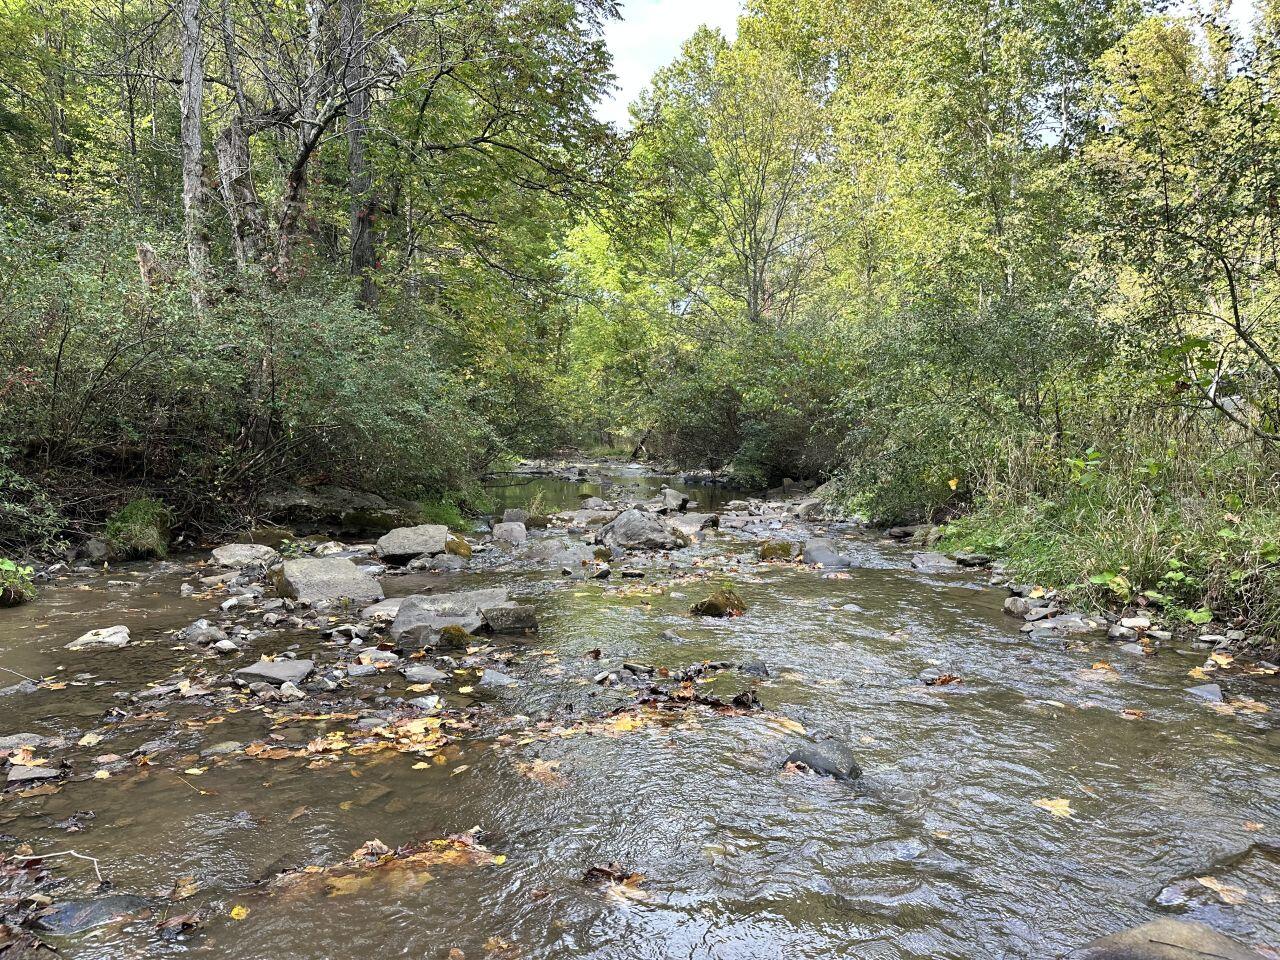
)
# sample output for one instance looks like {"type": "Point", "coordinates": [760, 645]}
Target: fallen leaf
{"type": "Point", "coordinates": [1226, 892]}
{"type": "Point", "coordinates": [239, 912]}
{"type": "Point", "coordinates": [1058, 806]}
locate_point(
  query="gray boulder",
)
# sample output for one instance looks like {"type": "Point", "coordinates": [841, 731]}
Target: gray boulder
{"type": "Point", "coordinates": [510, 532]}
{"type": "Point", "coordinates": [1166, 939]}
{"type": "Point", "coordinates": [276, 672]}
{"type": "Point", "coordinates": [932, 562]}
{"type": "Point", "coordinates": [493, 678]}
{"type": "Point", "coordinates": [20, 774]}
{"type": "Point", "coordinates": [557, 553]}
{"type": "Point", "coordinates": [202, 632]}
{"type": "Point", "coordinates": [673, 500]}
{"type": "Point", "coordinates": [511, 618]}
{"type": "Point", "coordinates": [238, 555]}
{"type": "Point", "coordinates": [809, 509]}
{"type": "Point", "coordinates": [636, 530]}
{"type": "Point", "coordinates": [423, 616]}
{"type": "Point", "coordinates": [382, 610]}
{"type": "Point", "coordinates": [821, 552]}
{"type": "Point", "coordinates": [829, 758]}
{"type": "Point", "coordinates": [317, 579]}
{"type": "Point", "coordinates": [423, 673]}
{"type": "Point", "coordinates": [515, 515]}
{"type": "Point", "coordinates": [691, 523]}
{"type": "Point", "coordinates": [408, 543]}
{"type": "Point", "coordinates": [107, 638]}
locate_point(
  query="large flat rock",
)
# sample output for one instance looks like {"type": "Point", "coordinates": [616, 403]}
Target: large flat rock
{"type": "Point", "coordinates": [236, 555]}
{"type": "Point", "coordinates": [107, 638]}
{"type": "Point", "coordinates": [408, 543]}
{"type": "Point", "coordinates": [1166, 939]}
{"type": "Point", "coordinates": [315, 579]}
{"type": "Point", "coordinates": [276, 672]}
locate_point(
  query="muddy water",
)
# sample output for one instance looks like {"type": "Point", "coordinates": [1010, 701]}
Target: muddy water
{"type": "Point", "coordinates": [939, 852]}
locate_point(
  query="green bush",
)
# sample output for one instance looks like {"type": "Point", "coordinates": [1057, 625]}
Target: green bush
{"type": "Point", "coordinates": [140, 529]}
{"type": "Point", "coordinates": [16, 585]}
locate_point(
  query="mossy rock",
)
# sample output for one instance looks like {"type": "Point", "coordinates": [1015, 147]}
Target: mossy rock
{"type": "Point", "coordinates": [454, 637]}
{"type": "Point", "coordinates": [141, 529]}
{"type": "Point", "coordinates": [603, 554]}
{"type": "Point", "coordinates": [457, 546]}
{"type": "Point", "coordinates": [777, 550]}
{"type": "Point", "coordinates": [722, 603]}
{"type": "Point", "coordinates": [538, 522]}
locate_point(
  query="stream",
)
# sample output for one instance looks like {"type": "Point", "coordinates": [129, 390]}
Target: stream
{"type": "Point", "coordinates": [940, 850]}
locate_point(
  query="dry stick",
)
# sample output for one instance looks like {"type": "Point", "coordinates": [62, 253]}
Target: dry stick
{"type": "Point", "coordinates": [17, 674]}
{"type": "Point", "coordinates": [65, 853]}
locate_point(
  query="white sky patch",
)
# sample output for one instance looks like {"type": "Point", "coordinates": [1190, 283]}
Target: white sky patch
{"type": "Point", "coordinates": [649, 36]}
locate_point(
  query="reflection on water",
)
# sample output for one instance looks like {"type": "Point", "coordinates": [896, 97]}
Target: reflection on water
{"type": "Point", "coordinates": [940, 852]}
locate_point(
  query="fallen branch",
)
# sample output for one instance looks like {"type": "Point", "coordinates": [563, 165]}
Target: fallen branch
{"type": "Point", "coordinates": [64, 853]}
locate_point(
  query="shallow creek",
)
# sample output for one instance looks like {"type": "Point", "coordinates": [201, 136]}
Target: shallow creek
{"type": "Point", "coordinates": [940, 851]}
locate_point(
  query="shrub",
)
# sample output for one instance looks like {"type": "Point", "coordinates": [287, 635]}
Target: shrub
{"type": "Point", "coordinates": [16, 585]}
{"type": "Point", "coordinates": [140, 529]}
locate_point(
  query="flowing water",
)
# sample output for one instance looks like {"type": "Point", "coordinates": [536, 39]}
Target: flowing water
{"type": "Point", "coordinates": [939, 851]}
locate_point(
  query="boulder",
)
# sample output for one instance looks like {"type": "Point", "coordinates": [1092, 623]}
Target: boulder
{"type": "Point", "coordinates": [422, 617]}
{"type": "Point", "coordinates": [316, 579]}
{"type": "Point", "coordinates": [340, 508]}
{"type": "Point", "coordinates": [828, 758]}
{"type": "Point", "coordinates": [457, 547]}
{"type": "Point", "coordinates": [493, 678]}
{"type": "Point", "coordinates": [673, 500]}
{"type": "Point", "coordinates": [691, 523]}
{"type": "Point", "coordinates": [1166, 939]}
{"type": "Point", "coordinates": [515, 515]}
{"type": "Point", "coordinates": [239, 555]}
{"type": "Point", "coordinates": [636, 530]}
{"type": "Point", "coordinates": [107, 638]}
{"type": "Point", "coordinates": [20, 774]}
{"type": "Point", "coordinates": [510, 532]}
{"type": "Point", "coordinates": [778, 550]}
{"type": "Point", "coordinates": [1020, 606]}
{"type": "Point", "coordinates": [423, 673]}
{"type": "Point", "coordinates": [821, 552]}
{"type": "Point", "coordinates": [932, 562]}
{"type": "Point", "coordinates": [276, 672]}
{"type": "Point", "coordinates": [557, 553]}
{"type": "Point", "coordinates": [722, 603]}
{"type": "Point", "coordinates": [382, 610]}
{"type": "Point", "coordinates": [408, 543]}
{"type": "Point", "coordinates": [511, 618]}
{"type": "Point", "coordinates": [810, 508]}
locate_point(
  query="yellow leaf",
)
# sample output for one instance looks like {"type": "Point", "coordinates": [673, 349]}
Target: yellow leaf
{"type": "Point", "coordinates": [500, 859]}
{"type": "Point", "coordinates": [1222, 659]}
{"type": "Point", "coordinates": [239, 912]}
{"type": "Point", "coordinates": [1058, 806]}
{"type": "Point", "coordinates": [90, 740]}
{"type": "Point", "coordinates": [953, 483]}
{"type": "Point", "coordinates": [101, 774]}
{"type": "Point", "coordinates": [194, 771]}
{"type": "Point", "coordinates": [465, 689]}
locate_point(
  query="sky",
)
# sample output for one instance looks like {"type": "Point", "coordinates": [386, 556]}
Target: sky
{"type": "Point", "coordinates": [649, 36]}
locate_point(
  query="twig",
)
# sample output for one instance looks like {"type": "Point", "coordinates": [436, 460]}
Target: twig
{"type": "Point", "coordinates": [17, 674]}
{"type": "Point", "coordinates": [65, 853]}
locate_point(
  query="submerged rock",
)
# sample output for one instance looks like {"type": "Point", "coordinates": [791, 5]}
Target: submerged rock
{"type": "Point", "coordinates": [828, 758]}
{"type": "Point", "coordinates": [1166, 939]}
{"type": "Point", "coordinates": [636, 530]}
{"type": "Point", "coordinates": [107, 638]}
{"type": "Point", "coordinates": [76, 916]}
{"type": "Point", "coordinates": [313, 580]}
{"type": "Point", "coordinates": [21, 774]}
{"type": "Point", "coordinates": [778, 550]}
{"type": "Point", "coordinates": [408, 543]}
{"type": "Point", "coordinates": [722, 603]}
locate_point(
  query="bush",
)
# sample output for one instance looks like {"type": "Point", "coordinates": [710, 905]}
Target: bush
{"type": "Point", "coordinates": [16, 585]}
{"type": "Point", "coordinates": [140, 529]}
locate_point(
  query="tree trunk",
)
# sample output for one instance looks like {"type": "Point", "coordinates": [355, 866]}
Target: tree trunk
{"type": "Point", "coordinates": [363, 254]}
{"type": "Point", "coordinates": [244, 210]}
{"type": "Point", "coordinates": [192, 135]}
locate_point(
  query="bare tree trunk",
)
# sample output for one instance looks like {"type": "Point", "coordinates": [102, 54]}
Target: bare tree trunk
{"type": "Point", "coordinates": [192, 134]}
{"type": "Point", "coordinates": [363, 256]}
{"type": "Point", "coordinates": [235, 169]}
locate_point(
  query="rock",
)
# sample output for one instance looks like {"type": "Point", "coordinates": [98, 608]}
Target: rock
{"type": "Point", "coordinates": [107, 638]}
{"type": "Point", "coordinates": [423, 673]}
{"type": "Point", "coordinates": [340, 507]}
{"type": "Point", "coordinates": [1133, 649]}
{"type": "Point", "coordinates": [777, 550]}
{"type": "Point", "coordinates": [511, 618]}
{"type": "Point", "coordinates": [722, 603]}
{"type": "Point", "coordinates": [1207, 691]}
{"type": "Point", "coordinates": [559, 553]}
{"type": "Point", "coordinates": [1118, 632]}
{"type": "Point", "coordinates": [1161, 636]}
{"type": "Point", "coordinates": [425, 703]}
{"type": "Point", "coordinates": [967, 558]}
{"type": "Point", "coordinates": [276, 672]}
{"type": "Point", "coordinates": [810, 508]}
{"type": "Point", "coordinates": [1136, 623]}
{"type": "Point", "coordinates": [737, 506]}
{"type": "Point", "coordinates": [512, 533]}
{"type": "Point", "coordinates": [423, 616]}
{"type": "Point", "coordinates": [636, 530]}
{"type": "Point", "coordinates": [754, 668]}
{"type": "Point", "coordinates": [492, 678]}
{"type": "Point", "coordinates": [408, 543]}
{"type": "Point", "coordinates": [290, 691]}
{"type": "Point", "coordinates": [821, 552]}
{"type": "Point", "coordinates": [20, 774]}
{"type": "Point", "coordinates": [673, 500]}
{"type": "Point", "coordinates": [240, 555]}
{"type": "Point", "coordinates": [691, 523]}
{"type": "Point", "coordinates": [593, 503]}
{"type": "Point", "coordinates": [1018, 606]}
{"type": "Point", "coordinates": [455, 546]}
{"type": "Point", "coordinates": [1071, 623]}
{"type": "Point", "coordinates": [932, 562]}
{"type": "Point", "coordinates": [76, 916]}
{"type": "Point", "coordinates": [515, 515]}
{"type": "Point", "coordinates": [1166, 939]}
{"type": "Point", "coordinates": [361, 670]}
{"type": "Point", "coordinates": [382, 610]}
{"type": "Point", "coordinates": [225, 646]}
{"type": "Point", "coordinates": [904, 532]}
{"type": "Point", "coordinates": [202, 632]}
{"type": "Point", "coordinates": [828, 758]}
{"type": "Point", "coordinates": [96, 550]}
{"type": "Point", "coordinates": [313, 580]}
{"type": "Point", "coordinates": [16, 740]}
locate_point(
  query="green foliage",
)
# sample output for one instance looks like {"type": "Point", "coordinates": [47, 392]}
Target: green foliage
{"type": "Point", "coordinates": [447, 512]}
{"type": "Point", "coordinates": [141, 528]}
{"type": "Point", "coordinates": [16, 585]}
